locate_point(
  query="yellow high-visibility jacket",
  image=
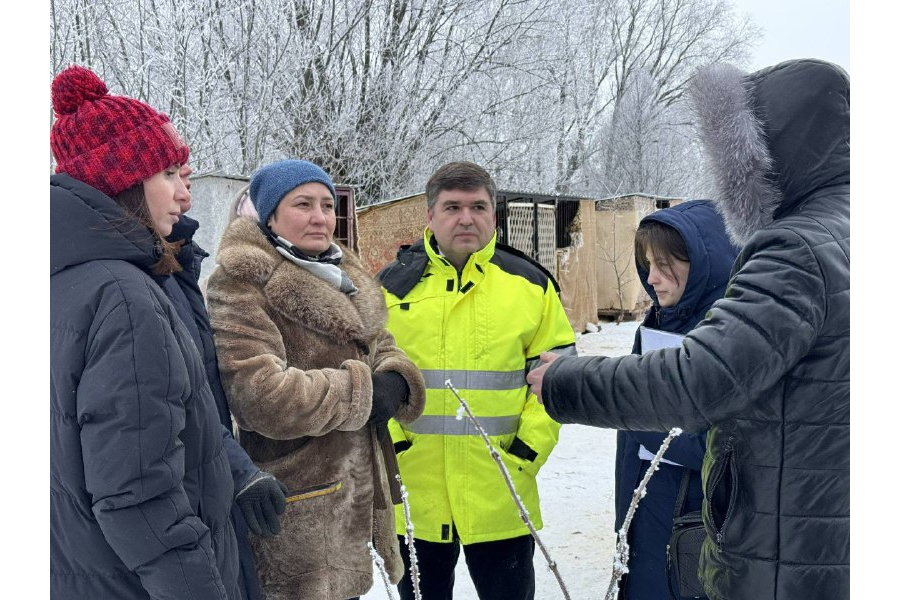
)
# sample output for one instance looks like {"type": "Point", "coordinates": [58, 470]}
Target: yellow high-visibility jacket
{"type": "Point", "coordinates": [482, 329]}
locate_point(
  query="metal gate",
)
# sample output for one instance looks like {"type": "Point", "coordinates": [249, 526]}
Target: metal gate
{"type": "Point", "coordinates": [537, 241]}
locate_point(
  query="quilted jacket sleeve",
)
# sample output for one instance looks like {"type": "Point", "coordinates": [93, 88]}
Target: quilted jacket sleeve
{"type": "Point", "coordinates": [130, 407]}
{"type": "Point", "coordinates": [768, 321]}
{"type": "Point", "coordinates": [242, 467]}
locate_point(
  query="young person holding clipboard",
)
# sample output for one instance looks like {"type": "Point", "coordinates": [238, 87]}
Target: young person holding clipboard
{"type": "Point", "coordinates": [683, 258]}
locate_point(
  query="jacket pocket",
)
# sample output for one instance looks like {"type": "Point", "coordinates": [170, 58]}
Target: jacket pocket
{"type": "Point", "coordinates": [302, 547]}
{"type": "Point", "coordinates": [306, 540]}
{"type": "Point", "coordinates": [723, 485]}
{"type": "Point", "coordinates": [402, 446]}
{"type": "Point", "coordinates": [312, 492]}
{"type": "Point", "coordinates": [522, 450]}
{"type": "Point", "coordinates": [520, 457]}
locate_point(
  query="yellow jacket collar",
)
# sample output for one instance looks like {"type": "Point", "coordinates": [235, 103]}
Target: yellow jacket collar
{"type": "Point", "coordinates": [480, 257]}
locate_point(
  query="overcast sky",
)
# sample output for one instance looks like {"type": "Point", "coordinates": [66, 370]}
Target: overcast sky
{"type": "Point", "coordinates": [800, 29]}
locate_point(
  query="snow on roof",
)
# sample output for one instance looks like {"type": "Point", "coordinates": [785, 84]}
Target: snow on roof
{"type": "Point", "coordinates": [641, 194]}
{"type": "Point", "coordinates": [387, 202]}
{"type": "Point", "coordinates": [220, 174]}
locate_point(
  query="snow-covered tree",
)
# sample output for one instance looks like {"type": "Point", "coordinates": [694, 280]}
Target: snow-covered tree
{"type": "Point", "coordinates": [381, 93]}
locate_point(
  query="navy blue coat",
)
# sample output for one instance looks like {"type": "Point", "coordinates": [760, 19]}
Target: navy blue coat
{"type": "Point", "coordinates": [183, 290]}
{"type": "Point", "coordinates": [711, 256]}
{"type": "Point", "coordinates": [140, 483]}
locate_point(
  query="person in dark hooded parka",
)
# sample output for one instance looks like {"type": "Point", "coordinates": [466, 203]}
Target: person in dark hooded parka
{"type": "Point", "coordinates": [768, 371]}
{"type": "Point", "coordinates": [140, 483]}
{"type": "Point", "coordinates": [259, 496]}
{"type": "Point", "coordinates": [688, 237]}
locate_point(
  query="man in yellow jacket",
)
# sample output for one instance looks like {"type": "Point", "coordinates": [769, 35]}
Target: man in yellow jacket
{"type": "Point", "coordinates": [477, 313]}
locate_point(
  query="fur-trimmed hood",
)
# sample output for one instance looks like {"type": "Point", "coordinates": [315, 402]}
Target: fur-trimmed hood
{"type": "Point", "coordinates": [769, 155]}
{"type": "Point", "coordinates": [299, 295]}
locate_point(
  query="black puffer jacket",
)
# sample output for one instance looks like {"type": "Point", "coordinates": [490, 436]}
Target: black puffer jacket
{"type": "Point", "coordinates": [183, 291]}
{"type": "Point", "coordinates": [769, 371]}
{"type": "Point", "coordinates": [140, 485]}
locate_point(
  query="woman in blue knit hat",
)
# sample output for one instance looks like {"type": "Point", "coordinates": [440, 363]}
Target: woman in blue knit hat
{"type": "Point", "coordinates": [312, 377]}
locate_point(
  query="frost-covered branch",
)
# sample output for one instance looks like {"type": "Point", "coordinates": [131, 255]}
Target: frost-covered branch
{"type": "Point", "coordinates": [378, 93]}
{"type": "Point", "coordinates": [410, 540]}
{"type": "Point", "coordinates": [620, 561]}
{"type": "Point", "coordinates": [523, 512]}
{"type": "Point", "coordinates": [379, 564]}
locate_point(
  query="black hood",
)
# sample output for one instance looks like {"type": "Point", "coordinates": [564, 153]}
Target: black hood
{"type": "Point", "coordinates": [773, 137]}
{"type": "Point", "coordinates": [86, 225]}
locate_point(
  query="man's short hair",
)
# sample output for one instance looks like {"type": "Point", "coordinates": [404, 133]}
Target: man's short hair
{"type": "Point", "coordinates": [462, 175]}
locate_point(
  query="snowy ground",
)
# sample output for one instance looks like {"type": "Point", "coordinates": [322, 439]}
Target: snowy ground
{"type": "Point", "coordinates": [576, 488]}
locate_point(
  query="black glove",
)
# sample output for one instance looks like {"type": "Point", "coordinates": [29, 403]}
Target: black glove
{"type": "Point", "coordinates": [389, 391]}
{"type": "Point", "coordinates": [261, 501]}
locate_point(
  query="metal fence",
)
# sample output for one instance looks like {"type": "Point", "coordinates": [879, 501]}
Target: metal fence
{"type": "Point", "coordinates": [536, 224]}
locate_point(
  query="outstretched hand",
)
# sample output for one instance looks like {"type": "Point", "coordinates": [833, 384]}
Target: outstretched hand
{"type": "Point", "coordinates": [536, 377]}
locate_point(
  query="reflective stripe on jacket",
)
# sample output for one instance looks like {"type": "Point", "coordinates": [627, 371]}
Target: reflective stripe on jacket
{"type": "Point", "coordinates": [481, 330]}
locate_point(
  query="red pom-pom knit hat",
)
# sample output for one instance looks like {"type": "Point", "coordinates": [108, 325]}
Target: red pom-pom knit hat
{"type": "Point", "coordinates": [108, 142]}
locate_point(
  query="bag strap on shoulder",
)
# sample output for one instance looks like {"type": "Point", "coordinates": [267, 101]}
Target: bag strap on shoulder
{"type": "Point", "coordinates": [682, 492]}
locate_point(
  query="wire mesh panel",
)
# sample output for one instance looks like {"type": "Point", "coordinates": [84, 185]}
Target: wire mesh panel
{"type": "Point", "coordinates": [345, 217]}
{"type": "Point", "coordinates": [522, 232]}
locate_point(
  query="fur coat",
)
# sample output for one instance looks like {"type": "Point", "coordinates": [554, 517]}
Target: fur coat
{"type": "Point", "coordinates": [296, 357]}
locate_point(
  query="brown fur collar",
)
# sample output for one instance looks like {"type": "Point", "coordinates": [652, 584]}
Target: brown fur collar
{"type": "Point", "coordinates": [300, 296]}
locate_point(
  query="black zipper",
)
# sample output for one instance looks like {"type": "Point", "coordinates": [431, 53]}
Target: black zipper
{"type": "Point", "coordinates": [726, 463]}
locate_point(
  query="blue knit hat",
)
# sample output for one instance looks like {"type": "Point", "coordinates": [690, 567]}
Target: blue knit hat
{"type": "Point", "coordinates": [270, 183]}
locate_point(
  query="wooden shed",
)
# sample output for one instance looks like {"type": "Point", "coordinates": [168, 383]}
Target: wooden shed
{"type": "Point", "coordinates": [556, 231]}
{"type": "Point", "coordinates": [619, 291]}
{"type": "Point", "coordinates": [385, 226]}
{"type": "Point", "coordinates": [576, 267]}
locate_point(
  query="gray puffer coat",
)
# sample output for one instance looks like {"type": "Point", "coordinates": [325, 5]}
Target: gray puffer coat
{"type": "Point", "coordinates": [768, 371]}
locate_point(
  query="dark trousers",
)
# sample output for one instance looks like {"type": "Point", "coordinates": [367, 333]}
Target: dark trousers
{"type": "Point", "coordinates": [501, 570]}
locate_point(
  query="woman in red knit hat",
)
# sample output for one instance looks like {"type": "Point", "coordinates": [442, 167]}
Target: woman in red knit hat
{"type": "Point", "coordinates": [140, 485]}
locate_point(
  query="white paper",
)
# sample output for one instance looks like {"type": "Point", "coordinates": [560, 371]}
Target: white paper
{"type": "Point", "coordinates": [654, 339]}
{"type": "Point", "coordinates": [645, 454]}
